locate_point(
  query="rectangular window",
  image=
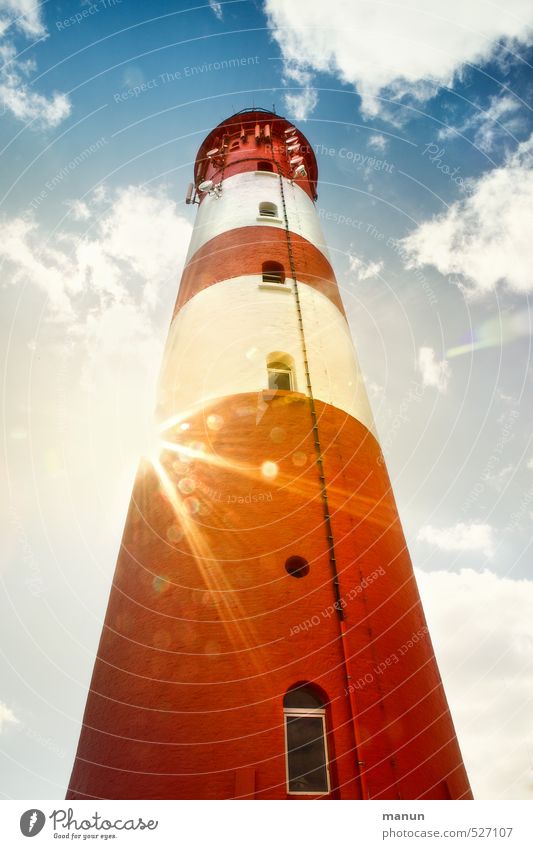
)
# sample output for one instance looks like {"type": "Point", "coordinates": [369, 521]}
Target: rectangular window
{"type": "Point", "coordinates": [273, 277]}
{"type": "Point", "coordinates": [278, 379]}
{"type": "Point", "coordinates": [307, 761]}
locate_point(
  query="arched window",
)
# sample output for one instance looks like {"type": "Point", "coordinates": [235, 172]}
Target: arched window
{"type": "Point", "coordinates": [263, 165]}
{"type": "Point", "coordinates": [273, 272]}
{"type": "Point", "coordinates": [268, 209]}
{"type": "Point", "coordinates": [280, 368]}
{"type": "Point", "coordinates": [305, 741]}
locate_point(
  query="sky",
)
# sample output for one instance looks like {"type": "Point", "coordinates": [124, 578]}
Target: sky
{"type": "Point", "coordinates": [420, 117]}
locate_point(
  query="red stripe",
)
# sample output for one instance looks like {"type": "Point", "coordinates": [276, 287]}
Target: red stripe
{"type": "Point", "coordinates": [205, 630]}
{"type": "Point", "coordinates": [235, 147]}
{"type": "Point", "coordinates": [243, 250]}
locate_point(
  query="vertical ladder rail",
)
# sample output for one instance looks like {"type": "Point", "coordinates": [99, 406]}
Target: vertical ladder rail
{"type": "Point", "coordinates": [312, 407]}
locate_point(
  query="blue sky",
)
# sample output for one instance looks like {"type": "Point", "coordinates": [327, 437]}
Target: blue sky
{"type": "Point", "coordinates": [421, 122]}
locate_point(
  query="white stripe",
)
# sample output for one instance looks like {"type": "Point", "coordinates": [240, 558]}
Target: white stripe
{"type": "Point", "coordinates": [220, 340]}
{"type": "Point", "coordinates": [238, 206]}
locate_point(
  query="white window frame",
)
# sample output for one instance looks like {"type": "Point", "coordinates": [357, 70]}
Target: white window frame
{"type": "Point", "coordinates": [287, 370]}
{"type": "Point", "coordinates": [314, 712]}
{"type": "Point", "coordinates": [275, 278]}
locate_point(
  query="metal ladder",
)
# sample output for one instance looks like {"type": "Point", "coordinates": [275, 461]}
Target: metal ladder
{"type": "Point", "coordinates": [312, 407]}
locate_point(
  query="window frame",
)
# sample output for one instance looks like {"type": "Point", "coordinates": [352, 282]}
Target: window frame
{"type": "Point", "coordinates": [288, 370]}
{"type": "Point", "coordinates": [276, 278]}
{"type": "Point", "coordinates": [315, 713]}
{"type": "Point", "coordinates": [273, 270]}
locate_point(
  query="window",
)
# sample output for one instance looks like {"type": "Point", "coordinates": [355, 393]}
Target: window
{"type": "Point", "coordinates": [280, 368]}
{"type": "Point", "coordinates": [279, 378]}
{"type": "Point", "coordinates": [265, 166]}
{"type": "Point", "coordinates": [305, 740]}
{"type": "Point", "coordinates": [234, 145]}
{"type": "Point", "coordinates": [273, 272]}
{"type": "Point", "coordinates": [268, 209]}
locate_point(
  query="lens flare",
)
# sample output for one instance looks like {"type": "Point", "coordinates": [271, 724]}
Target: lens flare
{"type": "Point", "coordinates": [269, 470]}
{"type": "Point", "coordinates": [186, 486]}
{"type": "Point", "coordinates": [495, 333]}
{"type": "Point", "coordinates": [215, 422]}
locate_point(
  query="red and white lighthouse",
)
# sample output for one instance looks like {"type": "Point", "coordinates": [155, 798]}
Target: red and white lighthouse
{"type": "Point", "coordinates": [264, 636]}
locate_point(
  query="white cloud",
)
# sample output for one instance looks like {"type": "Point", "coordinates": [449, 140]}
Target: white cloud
{"type": "Point", "coordinates": [110, 292]}
{"type": "Point", "coordinates": [485, 238]}
{"type": "Point", "coordinates": [116, 269]}
{"type": "Point", "coordinates": [363, 270]}
{"type": "Point", "coordinates": [433, 372]}
{"type": "Point", "coordinates": [23, 17]}
{"type": "Point", "coordinates": [299, 104]}
{"type": "Point", "coordinates": [377, 141]}
{"type": "Point", "coordinates": [394, 49]}
{"type": "Point", "coordinates": [23, 14]}
{"type": "Point", "coordinates": [30, 106]}
{"type": "Point", "coordinates": [461, 537]}
{"type": "Point", "coordinates": [498, 480]}
{"type": "Point", "coordinates": [6, 716]}
{"type": "Point", "coordinates": [30, 259]}
{"type": "Point", "coordinates": [79, 210]}
{"type": "Point", "coordinates": [530, 463]}
{"type": "Point", "coordinates": [498, 122]}
{"type": "Point", "coordinates": [217, 8]}
{"type": "Point", "coordinates": [482, 630]}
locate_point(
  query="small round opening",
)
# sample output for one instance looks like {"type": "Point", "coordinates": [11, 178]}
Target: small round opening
{"type": "Point", "coordinates": [297, 567]}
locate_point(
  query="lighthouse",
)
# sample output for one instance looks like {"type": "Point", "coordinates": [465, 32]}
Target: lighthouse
{"type": "Point", "coordinates": [264, 636]}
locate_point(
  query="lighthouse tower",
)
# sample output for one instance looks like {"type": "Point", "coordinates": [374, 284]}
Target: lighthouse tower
{"type": "Point", "coordinates": [264, 637]}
